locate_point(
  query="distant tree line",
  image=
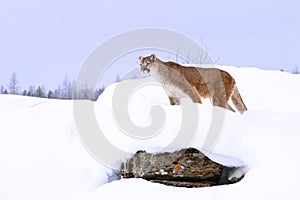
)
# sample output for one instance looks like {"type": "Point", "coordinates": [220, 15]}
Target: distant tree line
{"type": "Point", "coordinates": [296, 70]}
{"type": "Point", "coordinates": [65, 90]}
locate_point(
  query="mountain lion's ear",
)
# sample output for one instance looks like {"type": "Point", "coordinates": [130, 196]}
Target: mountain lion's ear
{"type": "Point", "coordinates": [153, 57]}
{"type": "Point", "coordinates": [141, 57]}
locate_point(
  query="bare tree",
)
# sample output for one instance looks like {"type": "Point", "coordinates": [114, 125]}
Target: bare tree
{"type": "Point", "coordinates": [67, 89]}
{"type": "Point", "coordinates": [296, 70]}
{"type": "Point", "coordinates": [2, 90]}
{"type": "Point", "coordinates": [13, 84]}
{"type": "Point", "coordinates": [202, 57]}
{"type": "Point", "coordinates": [57, 92]}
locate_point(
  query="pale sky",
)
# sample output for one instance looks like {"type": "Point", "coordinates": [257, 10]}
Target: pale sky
{"type": "Point", "coordinates": [44, 40]}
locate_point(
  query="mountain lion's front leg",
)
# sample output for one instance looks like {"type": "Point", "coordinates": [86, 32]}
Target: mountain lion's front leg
{"type": "Point", "coordinates": [172, 97]}
{"type": "Point", "coordinates": [174, 101]}
{"type": "Point", "coordinates": [192, 92]}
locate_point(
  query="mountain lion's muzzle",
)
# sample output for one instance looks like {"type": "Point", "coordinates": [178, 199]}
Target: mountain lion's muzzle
{"type": "Point", "coordinates": [144, 68]}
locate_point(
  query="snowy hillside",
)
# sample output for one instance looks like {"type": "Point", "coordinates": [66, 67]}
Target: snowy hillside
{"type": "Point", "coordinates": [42, 157]}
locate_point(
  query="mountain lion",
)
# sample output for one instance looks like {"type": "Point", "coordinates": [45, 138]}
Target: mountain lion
{"type": "Point", "coordinates": [196, 83]}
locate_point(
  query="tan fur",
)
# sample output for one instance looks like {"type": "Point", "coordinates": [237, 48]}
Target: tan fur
{"type": "Point", "coordinates": [179, 81]}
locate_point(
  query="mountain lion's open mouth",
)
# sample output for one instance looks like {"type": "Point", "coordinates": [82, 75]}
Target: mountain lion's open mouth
{"type": "Point", "coordinates": [145, 70]}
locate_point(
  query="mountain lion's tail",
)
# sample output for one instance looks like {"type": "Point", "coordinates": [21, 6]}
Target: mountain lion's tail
{"type": "Point", "coordinates": [238, 101]}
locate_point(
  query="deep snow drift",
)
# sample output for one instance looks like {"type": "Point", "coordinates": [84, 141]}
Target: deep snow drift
{"type": "Point", "coordinates": [41, 156]}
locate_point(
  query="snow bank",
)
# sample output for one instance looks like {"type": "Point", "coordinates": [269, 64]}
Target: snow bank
{"type": "Point", "coordinates": [41, 156]}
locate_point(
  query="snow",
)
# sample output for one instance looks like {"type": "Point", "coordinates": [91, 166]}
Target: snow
{"type": "Point", "coordinates": [42, 156]}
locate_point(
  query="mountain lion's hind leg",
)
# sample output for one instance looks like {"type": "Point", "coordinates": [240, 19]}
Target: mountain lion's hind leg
{"type": "Point", "coordinates": [221, 101]}
{"type": "Point", "coordinates": [229, 107]}
{"type": "Point", "coordinates": [238, 101]}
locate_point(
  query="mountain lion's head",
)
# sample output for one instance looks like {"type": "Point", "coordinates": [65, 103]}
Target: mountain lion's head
{"type": "Point", "coordinates": [147, 63]}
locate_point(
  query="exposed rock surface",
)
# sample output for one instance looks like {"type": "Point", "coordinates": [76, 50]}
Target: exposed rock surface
{"type": "Point", "coordinates": [183, 168]}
